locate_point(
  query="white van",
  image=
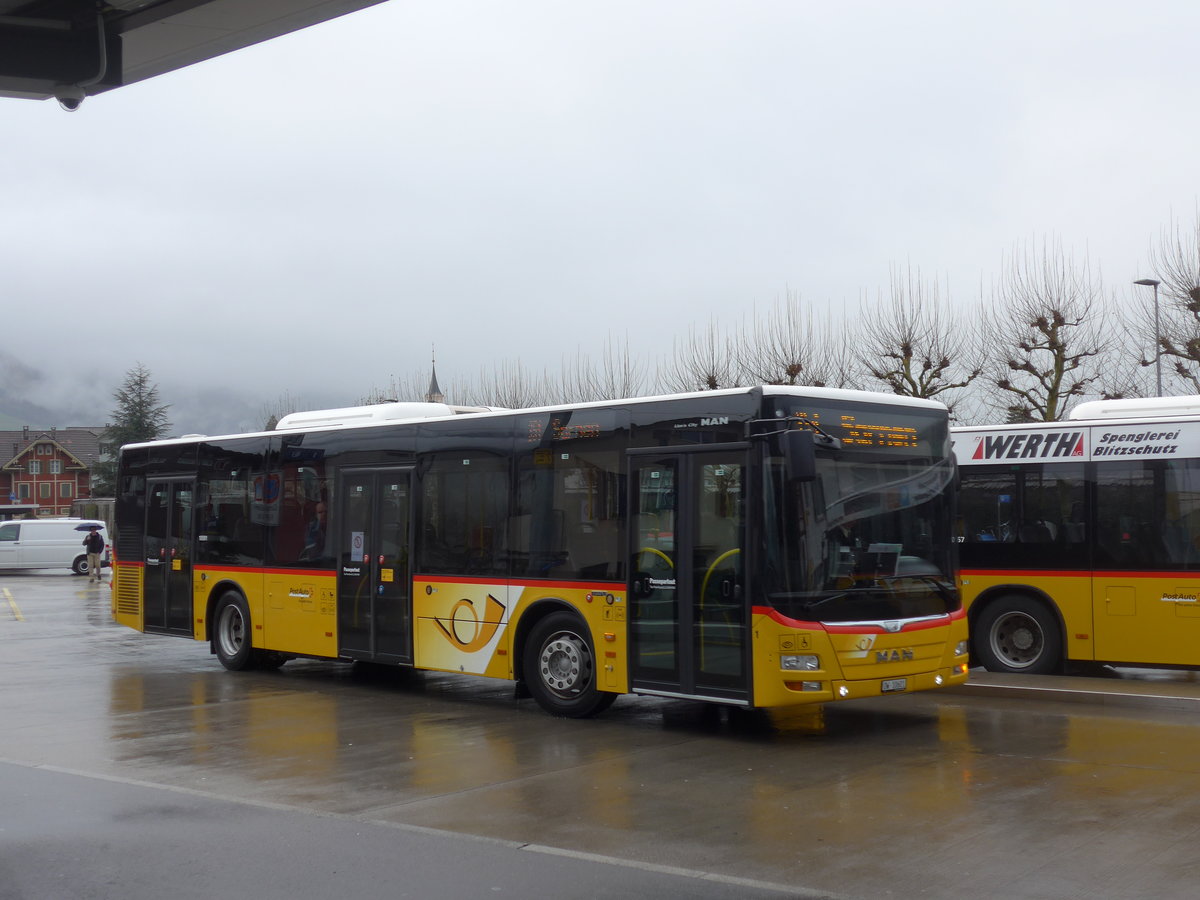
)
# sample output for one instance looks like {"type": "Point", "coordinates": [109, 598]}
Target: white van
{"type": "Point", "coordinates": [48, 544]}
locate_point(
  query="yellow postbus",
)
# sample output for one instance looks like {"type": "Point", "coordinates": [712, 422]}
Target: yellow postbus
{"type": "Point", "coordinates": [1080, 539]}
{"type": "Point", "coordinates": [758, 547]}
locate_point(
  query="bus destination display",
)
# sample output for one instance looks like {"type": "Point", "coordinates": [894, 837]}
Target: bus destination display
{"type": "Point", "coordinates": [856, 431]}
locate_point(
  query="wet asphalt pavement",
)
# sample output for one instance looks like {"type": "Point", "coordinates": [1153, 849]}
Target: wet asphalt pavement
{"type": "Point", "coordinates": [134, 766]}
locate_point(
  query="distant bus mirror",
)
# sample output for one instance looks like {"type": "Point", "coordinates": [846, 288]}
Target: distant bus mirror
{"type": "Point", "coordinates": [799, 455]}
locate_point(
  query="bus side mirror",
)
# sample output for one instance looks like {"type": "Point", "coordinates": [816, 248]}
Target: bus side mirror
{"type": "Point", "coordinates": [799, 455]}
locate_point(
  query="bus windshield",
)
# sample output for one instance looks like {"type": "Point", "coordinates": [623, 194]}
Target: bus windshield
{"type": "Point", "coordinates": [866, 539]}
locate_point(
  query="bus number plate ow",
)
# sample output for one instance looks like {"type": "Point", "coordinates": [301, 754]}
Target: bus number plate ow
{"type": "Point", "coordinates": [890, 685]}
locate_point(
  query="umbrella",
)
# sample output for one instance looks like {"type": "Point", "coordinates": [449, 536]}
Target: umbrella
{"type": "Point", "coordinates": [88, 526]}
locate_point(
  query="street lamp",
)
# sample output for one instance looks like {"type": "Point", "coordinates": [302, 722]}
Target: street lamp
{"type": "Point", "coordinates": [1150, 282]}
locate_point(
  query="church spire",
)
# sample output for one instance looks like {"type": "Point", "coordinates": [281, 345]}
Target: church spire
{"type": "Point", "coordinates": [434, 394]}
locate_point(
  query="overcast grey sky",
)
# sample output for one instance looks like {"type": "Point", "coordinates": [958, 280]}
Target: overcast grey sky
{"type": "Point", "coordinates": [521, 180]}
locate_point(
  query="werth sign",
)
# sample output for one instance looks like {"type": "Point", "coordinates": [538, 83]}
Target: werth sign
{"type": "Point", "coordinates": [1034, 445]}
{"type": "Point", "coordinates": [1081, 443]}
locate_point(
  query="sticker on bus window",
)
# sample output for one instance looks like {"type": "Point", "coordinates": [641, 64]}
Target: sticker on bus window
{"type": "Point", "coordinates": [357, 542]}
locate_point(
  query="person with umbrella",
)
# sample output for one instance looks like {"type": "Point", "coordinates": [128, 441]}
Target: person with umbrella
{"type": "Point", "coordinates": [94, 543]}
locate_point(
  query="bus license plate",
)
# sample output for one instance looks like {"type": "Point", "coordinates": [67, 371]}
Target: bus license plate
{"type": "Point", "coordinates": [895, 684]}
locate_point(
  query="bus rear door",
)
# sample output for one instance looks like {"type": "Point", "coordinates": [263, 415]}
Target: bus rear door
{"type": "Point", "coordinates": [167, 588]}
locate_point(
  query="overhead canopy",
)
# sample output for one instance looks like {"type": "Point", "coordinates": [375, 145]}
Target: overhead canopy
{"type": "Point", "coordinates": [74, 48]}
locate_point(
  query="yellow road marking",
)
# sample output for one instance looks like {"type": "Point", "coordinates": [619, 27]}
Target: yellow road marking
{"type": "Point", "coordinates": [12, 605]}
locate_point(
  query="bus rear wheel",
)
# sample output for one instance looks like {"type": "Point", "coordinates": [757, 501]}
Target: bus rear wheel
{"type": "Point", "coordinates": [231, 639]}
{"type": "Point", "coordinates": [1018, 635]}
{"type": "Point", "coordinates": [560, 668]}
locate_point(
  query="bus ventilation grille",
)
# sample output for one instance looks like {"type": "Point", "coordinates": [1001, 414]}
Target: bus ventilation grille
{"type": "Point", "coordinates": [128, 542]}
{"type": "Point", "coordinates": [129, 594]}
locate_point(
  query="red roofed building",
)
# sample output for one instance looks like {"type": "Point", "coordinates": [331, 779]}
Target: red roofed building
{"type": "Point", "coordinates": [47, 468]}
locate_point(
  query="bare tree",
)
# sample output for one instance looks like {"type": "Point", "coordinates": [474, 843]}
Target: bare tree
{"type": "Point", "coordinates": [1047, 327]}
{"type": "Point", "coordinates": [1176, 262]}
{"type": "Point", "coordinates": [704, 361]}
{"type": "Point", "coordinates": [916, 344]}
{"type": "Point", "coordinates": [788, 346]}
{"type": "Point", "coordinates": [616, 374]}
{"type": "Point", "coordinates": [511, 386]}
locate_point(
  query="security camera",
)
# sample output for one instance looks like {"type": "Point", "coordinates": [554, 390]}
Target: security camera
{"type": "Point", "coordinates": [69, 96]}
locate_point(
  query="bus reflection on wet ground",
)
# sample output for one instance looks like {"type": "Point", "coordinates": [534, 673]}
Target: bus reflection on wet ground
{"type": "Point", "coordinates": [991, 790]}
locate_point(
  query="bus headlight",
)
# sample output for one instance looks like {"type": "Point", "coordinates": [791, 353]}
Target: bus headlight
{"type": "Point", "coordinates": [805, 663]}
{"type": "Point", "coordinates": [962, 648]}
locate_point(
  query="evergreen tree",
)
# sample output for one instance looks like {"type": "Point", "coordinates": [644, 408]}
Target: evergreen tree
{"type": "Point", "coordinates": [138, 416]}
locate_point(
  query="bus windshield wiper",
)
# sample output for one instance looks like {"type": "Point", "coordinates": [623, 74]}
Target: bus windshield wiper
{"type": "Point", "coordinates": [938, 584]}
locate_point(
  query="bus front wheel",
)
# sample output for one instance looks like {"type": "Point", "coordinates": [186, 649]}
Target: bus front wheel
{"type": "Point", "coordinates": [232, 636]}
{"type": "Point", "coordinates": [560, 668]}
{"type": "Point", "coordinates": [1018, 635]}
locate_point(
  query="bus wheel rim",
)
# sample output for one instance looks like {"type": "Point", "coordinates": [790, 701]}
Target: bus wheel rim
{"type": "Point", "coordinates": [232, 630]}
{"type": "Point", "coordinates": [565, 664]}
{"type": "Point", "coordinates": [1017, 639]}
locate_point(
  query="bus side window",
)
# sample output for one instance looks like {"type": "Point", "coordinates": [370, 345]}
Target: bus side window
{"type": "Point", "coordinates": [1182, 511]}
{"type": "Point", "coordinates": [1126, 498]}
{"type": "Point", "coordinates": [464, 510]}
{"type": "Point", "coordinates": [986, 506]}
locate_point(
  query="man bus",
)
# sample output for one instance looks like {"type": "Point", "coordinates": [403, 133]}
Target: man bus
{"type": "Point", "coordinates": [757, 547]}
{"type": "Point", "coordinates": [1080, 540]}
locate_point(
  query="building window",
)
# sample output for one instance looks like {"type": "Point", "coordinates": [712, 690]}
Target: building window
{"type": "Point", "coordinates": [23, 491]}
{"type": "Point", "coordinates": [56, 467]}
{"type": "Point", "coordinates": [44, 449]}
{"type": "Point", "coordinates": [64, 489]}
{"type": "Point", "coordinates": [44, 490]}
{"type": "Point", "coordinates": [35, 467]}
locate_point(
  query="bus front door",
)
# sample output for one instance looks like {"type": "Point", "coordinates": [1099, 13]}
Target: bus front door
{"type": "Point", "coordinates": [687, 603]}
{"type": "Point", "coordinates": [167, 579]}
{"type": "Point", "coordinates": [374, 596]}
